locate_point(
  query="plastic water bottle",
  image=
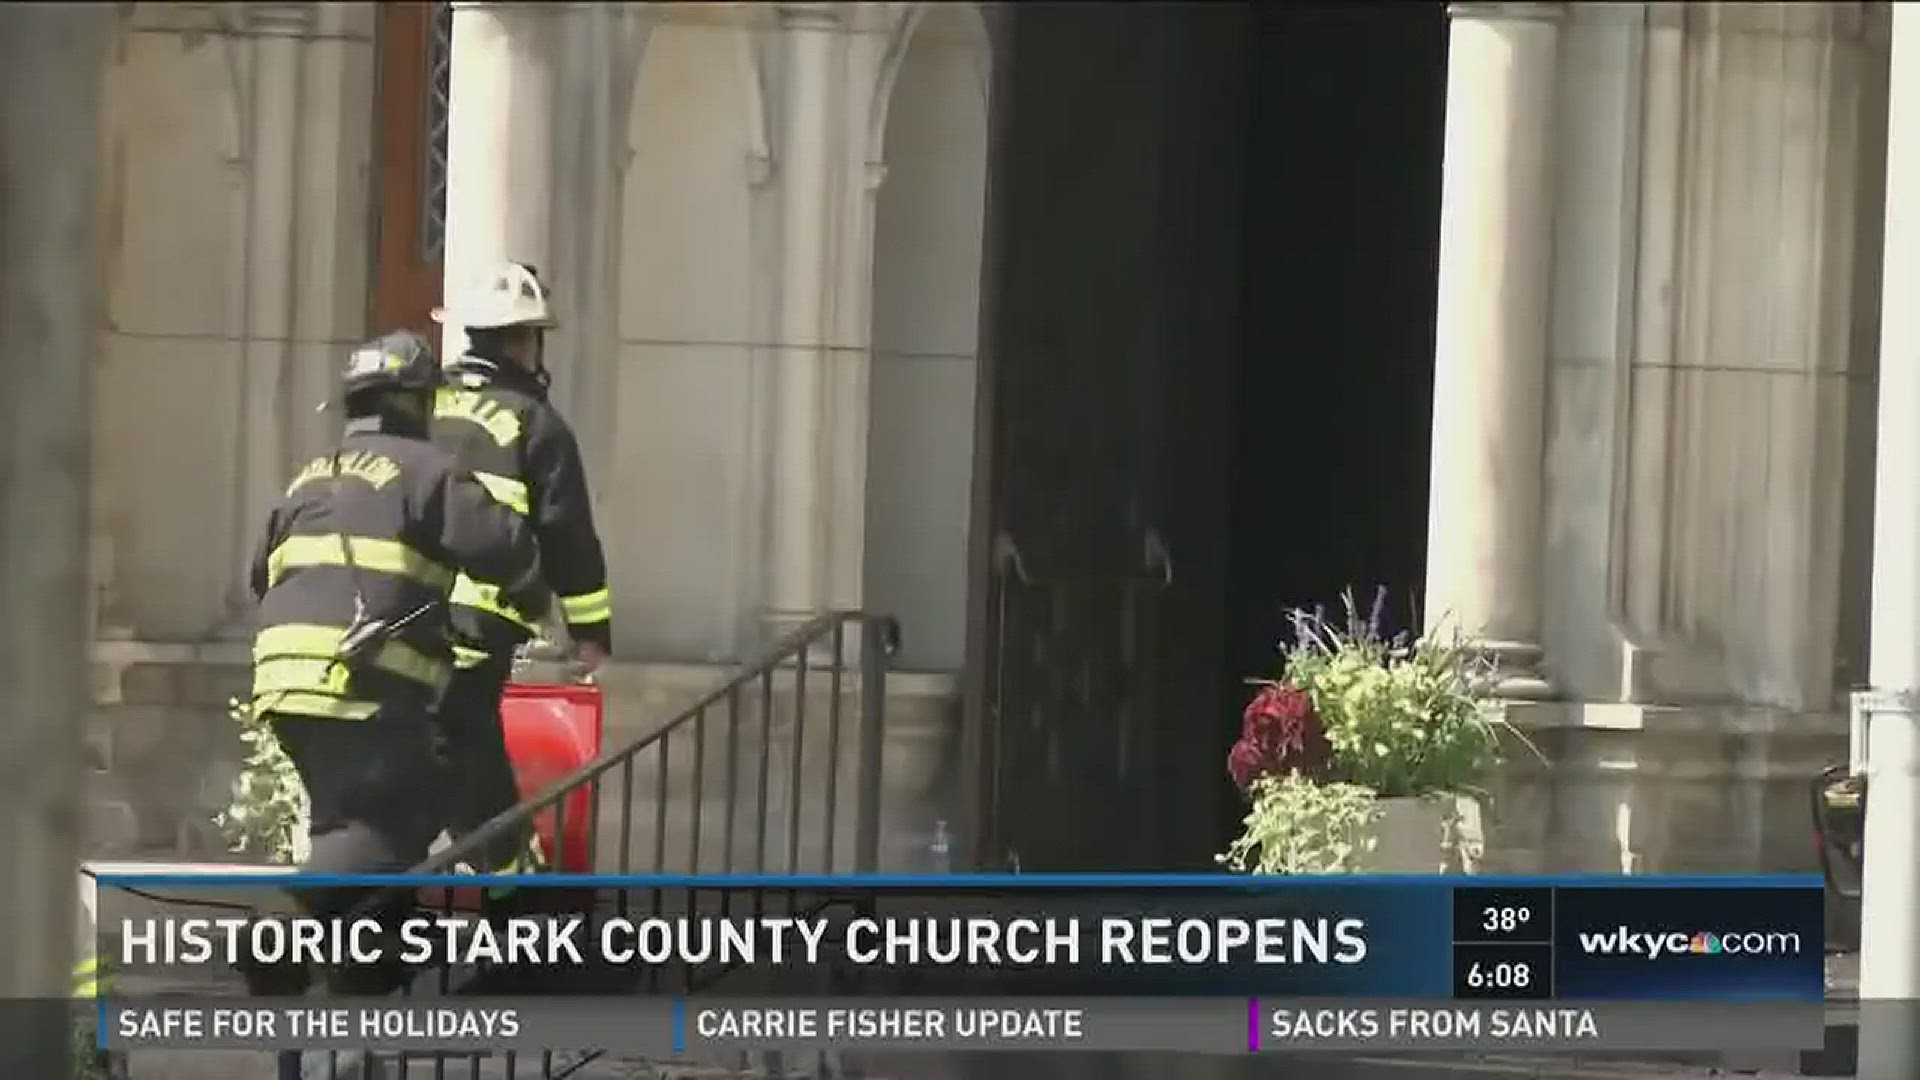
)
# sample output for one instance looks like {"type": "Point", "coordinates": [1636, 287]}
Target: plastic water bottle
{"type": "Point", "coordinates": [940, 850]}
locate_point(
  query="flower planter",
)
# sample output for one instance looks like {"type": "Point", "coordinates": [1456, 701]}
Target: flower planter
{"type": "Point", "coordinates": [1425, 835]}
{"type": "Point", "coordinates": [1353, 713]}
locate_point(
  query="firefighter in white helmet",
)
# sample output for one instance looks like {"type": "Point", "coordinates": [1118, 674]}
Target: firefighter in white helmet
{"type": "Point", "coordinates": [494, 416]}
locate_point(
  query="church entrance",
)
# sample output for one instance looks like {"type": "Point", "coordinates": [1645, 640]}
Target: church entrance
{"type": "Point", "coordinates": [1207, 342]}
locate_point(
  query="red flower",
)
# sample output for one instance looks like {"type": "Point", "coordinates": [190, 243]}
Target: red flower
{"type": "Point", "coordinates": [1279, 732]}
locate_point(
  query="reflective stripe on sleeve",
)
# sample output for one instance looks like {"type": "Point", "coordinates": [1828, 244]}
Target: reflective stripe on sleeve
{"type": "Point", "coordinates": [382, 556]}
{"type": "Point", "coordinates": [506, 491]}
{"type": "Point", "coordinates": [86, 981]}
{"type": "Point", "coordinates": [593, 607]}
{"type": "Point", "coordinates": [483, 597]}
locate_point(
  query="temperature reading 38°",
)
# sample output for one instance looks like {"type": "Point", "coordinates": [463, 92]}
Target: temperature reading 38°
{"type": "Point", "coordinates": [1500, 913]}
{"type": "Point", "coordinates": [1504, 920]}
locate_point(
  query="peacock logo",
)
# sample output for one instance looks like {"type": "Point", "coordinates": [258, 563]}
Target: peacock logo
{"type": "Point", "coordinates": [1705, 944]}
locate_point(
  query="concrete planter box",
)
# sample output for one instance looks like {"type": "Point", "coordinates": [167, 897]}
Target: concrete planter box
{"type": "Point", "coordinates": [1426, 835]}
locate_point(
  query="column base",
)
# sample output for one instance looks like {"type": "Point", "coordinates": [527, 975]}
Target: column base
{"type": "Point", "coordinates": [778, 622]}
{"type": "Point", "coordinates": [1517, 674]}
{"type": "Point", "coordinates": [777, 625]}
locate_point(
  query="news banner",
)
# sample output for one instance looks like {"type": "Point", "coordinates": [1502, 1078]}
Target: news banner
{"type": "Point", "coordinates": [1213, 964]}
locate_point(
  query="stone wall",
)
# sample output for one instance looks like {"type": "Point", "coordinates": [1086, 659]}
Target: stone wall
{"type": "Point", "coordinates": [166, 754]}
{"type": "Point", "coordinates": [239, 194]}
{"type": "Point", "coordinates": [165, 750]}
{"type": "Point", "coordinates": [1708, 418]}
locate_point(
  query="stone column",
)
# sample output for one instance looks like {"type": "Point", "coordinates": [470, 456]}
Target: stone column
{"type": "Point", "coordinates": [588, 261]}
{"type": "Point", "coordinates": [276, 43]}
{"type": "Point", "coordinates": [51, 60]}
{"type": "Point", "coordinates": [797, 527]}
{"type": "Point", "coordinates": [1483, 539]}
{"type": "Point", "coordinates": [499, 144]}
{"type": "Point", "coordinates": [1890, 901]}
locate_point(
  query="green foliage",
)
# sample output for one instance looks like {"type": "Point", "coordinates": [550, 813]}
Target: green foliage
{"type": "Point", "coordinates": [87, 1060]}
{"type": "Point", "coordinates": [1403, 718]}
{"type": "Point", "coordinates": [86, 1063]}
{"type": "Point", "coordinates": [1299, 826]}
{"type": "Point", "coordinates": [1399, 717]}
{"type": "Point", "coordinates": [269, 805]}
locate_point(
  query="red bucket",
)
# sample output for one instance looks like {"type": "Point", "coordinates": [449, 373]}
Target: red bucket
{"type": "Point", "coordinates": [551, 731]}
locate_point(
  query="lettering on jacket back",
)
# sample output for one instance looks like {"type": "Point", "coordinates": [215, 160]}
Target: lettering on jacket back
{"type": "Point", "coordinates": [378, 470]}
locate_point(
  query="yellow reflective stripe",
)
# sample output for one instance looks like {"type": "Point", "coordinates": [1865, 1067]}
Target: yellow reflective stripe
{"type": "Point", "coordinates": [506, 491]}
{"type": "Point", "coordinates": [465, 657]}
{"type": "Point", "coordinates": [288, 674]}
{"type": "Point", "coordinates": [325, 706]}
{"type": "Point", "coordinates": [483, 597]}
{"type": "Point", "coordinates": [383, 556]}
{"type": "Point", "coordinates": [292, 643]}
{"type": "Point", "coordinates": [299, 673]}
{"type": "Point", "coordinates": [531, 860]}
{"type": "Point", "coordinates": [85, 977]}
{"type": "Point", "coordinates": [593, 607]}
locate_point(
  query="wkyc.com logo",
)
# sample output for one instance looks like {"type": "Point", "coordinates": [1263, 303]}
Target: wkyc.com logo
{"type": "Point", "coordinates": [1621, 941]}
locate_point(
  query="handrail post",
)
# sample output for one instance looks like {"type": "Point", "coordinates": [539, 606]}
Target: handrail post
{"type": "Point", "coordinates": [876, 646]}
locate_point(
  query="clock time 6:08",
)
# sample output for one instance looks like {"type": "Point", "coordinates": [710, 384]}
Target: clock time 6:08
{"type": "Point", "coordinates": [1500, 975]}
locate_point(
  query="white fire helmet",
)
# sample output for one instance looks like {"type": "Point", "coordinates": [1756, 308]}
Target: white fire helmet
{"type": "Point", "coordinates": [514, 295]}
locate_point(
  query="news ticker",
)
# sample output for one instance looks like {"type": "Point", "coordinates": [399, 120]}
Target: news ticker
{"type": "Point", "coordinates": [676, 1027]}
{"type": "Point", "coordinates": [1570, 939]}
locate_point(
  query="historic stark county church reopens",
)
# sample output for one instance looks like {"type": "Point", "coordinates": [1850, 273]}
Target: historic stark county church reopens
{"type": "Point", "coordinates": [1082, 338]}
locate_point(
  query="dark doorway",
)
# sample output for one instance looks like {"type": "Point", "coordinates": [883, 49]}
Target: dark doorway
{"type": "Point", "coordinates": [1206, 350]}
{"type": "Point", "coordinates": [1335, 377]}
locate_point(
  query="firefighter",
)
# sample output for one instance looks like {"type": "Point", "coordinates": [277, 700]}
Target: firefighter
{"type": "Point", "coordinates": [92, 1058]}
{"type": "Point", "coordinates": [493, 414]}
{"type": "Point", "coordinates": [354, 576]}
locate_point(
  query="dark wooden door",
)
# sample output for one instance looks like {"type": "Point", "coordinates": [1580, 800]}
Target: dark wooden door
{"type": "Point", "coordinates": [1096, 573]}
{"type": "Point", "coordinates": [412, 45]}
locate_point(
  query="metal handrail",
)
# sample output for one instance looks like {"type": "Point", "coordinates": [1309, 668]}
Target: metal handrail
{"type": "Point", "coordinates": [880, 641]}
{"type": "Point", "coordinates": [796, 653]}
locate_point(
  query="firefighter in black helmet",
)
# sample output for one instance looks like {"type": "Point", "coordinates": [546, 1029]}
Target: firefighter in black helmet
{"type": "Point", "coordinates": [494, 415]}
{"type": "Point", "coordinates": [353, 653]}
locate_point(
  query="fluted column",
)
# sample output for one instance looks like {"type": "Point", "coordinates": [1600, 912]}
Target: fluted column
{"type": "Point", "coordinates": [500, 89]}
{"type": "Point", "coordinates": [276, 34]}
{"type": "Point", "coordinates": [797, 529]}
{"type": "Point", "coordinates": [1483, 540]}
